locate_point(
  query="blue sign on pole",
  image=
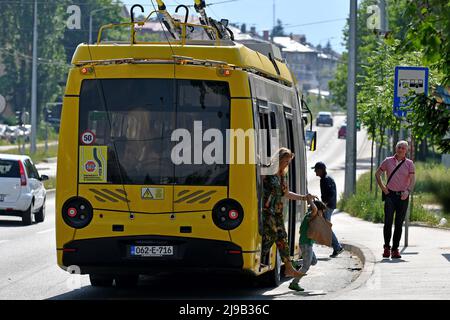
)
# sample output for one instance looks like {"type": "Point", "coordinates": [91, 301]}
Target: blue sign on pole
{"type": "Point", "coordinates": [408, 79]}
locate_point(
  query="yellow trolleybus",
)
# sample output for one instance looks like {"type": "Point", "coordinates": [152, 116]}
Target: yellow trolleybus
{"type": "Point", "coordinates": [124, 207]}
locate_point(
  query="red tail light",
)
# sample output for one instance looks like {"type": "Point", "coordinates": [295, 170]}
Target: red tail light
{"type": "Point", "coordinates": [23, 177]}
{"type": "Point", "coordinates": [233, 214]}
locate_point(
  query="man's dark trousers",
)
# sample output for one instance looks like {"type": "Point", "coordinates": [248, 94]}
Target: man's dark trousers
{"type": "Point", "coordinates": [394, 203]}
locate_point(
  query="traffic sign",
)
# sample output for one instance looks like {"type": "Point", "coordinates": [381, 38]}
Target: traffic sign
{"type": "Point", "coordinates": [88, 138]}
{"type": "Point", "coordinates": [407, 80]}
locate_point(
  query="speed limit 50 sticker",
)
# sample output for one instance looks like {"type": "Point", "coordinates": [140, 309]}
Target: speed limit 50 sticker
{"type": "Point", "coordinates": [87, 138]}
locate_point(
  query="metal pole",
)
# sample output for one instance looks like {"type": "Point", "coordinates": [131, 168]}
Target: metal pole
{"type": "Point", "coordinates": [411, 202]}
{"type": "Point", "coordinates": [274, 17]}
{"type": "Point", "coordinates": [46, 128]}
{"type": "Point", "coordinates": [90, 27]}
{"type": "Point", "coordinates": [384, 23]}
{"type": "Point", "coordinates": [350, 153]}
{"type": "Point", "coordinates": [34, 83]}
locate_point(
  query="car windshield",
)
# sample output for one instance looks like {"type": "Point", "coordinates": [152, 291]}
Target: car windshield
{"type": "Point", "coordinates": [9, 169]}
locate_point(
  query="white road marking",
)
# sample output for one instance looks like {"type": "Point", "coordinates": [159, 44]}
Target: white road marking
{"type": "Point", "coordinates": [46, 231]}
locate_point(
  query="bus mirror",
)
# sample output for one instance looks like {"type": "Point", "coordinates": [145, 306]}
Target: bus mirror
{"type": "Point", "coordinates": [305, 119]}
{"type": "Point", "coordinates": [311, 140]}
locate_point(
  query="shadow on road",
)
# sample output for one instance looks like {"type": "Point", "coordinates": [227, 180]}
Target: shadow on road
{"type": "Point", "coordinates": [176, 286]}
{"type": "Point", "coordinates": [11, 224]}
{"type": "Point", "coordinates": [393, 261]}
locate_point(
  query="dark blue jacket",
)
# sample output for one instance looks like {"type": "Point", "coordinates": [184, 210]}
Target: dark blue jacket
{"type": "Point", "coordinates": [328, 191]}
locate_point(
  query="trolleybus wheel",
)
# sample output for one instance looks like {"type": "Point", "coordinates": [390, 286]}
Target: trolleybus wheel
{"type": "Point", "coordinates": [273, 277]}
{"type": "Point", "coordinates": [98, 280]}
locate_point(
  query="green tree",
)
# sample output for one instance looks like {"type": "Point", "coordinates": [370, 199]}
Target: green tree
{"type": "Point", "coordinates": [428, 29]}
{"type": "Point", "coordinates": [16, 28]}
{"type": "Point", "coordinates": [56, 44]}
{"type": "Point", "coordinates": [278, 30]}
{"type": "Point", "coordinates": [106, 12]}
{"type": "Point", "coordinates": [367, 42]}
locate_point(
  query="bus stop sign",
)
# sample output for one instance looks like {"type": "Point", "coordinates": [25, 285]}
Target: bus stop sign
{"type": "Point", "coordinates": [408, 79]}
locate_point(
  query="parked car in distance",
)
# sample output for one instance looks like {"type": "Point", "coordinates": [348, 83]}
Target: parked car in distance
{"type": "Point", "coordinates": [3, 128]}
{"type": "Point", "coordinates": [324, 117]}
{"type": "Point", "coordinates": [342, 133]}
{"type": "Point", "coordinates": [22, 192]}
{"type": "Point", "coordinates": [358, 124]}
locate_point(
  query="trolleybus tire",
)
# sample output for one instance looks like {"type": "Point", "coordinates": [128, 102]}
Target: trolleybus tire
{"type": "Point", "coordinates": [273, 278]}
{"type": "Point", "coordinates": [99, 280]}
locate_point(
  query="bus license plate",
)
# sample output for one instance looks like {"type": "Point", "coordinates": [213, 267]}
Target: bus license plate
{"type": "Point", "coordinates": [151, 251]}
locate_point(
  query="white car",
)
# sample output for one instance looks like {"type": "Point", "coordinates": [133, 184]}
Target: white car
{"type": "Point", "coordinates": [22, 192]}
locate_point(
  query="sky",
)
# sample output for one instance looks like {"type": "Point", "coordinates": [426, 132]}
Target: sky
{"type": "Point", "coordinates": [293, 13]}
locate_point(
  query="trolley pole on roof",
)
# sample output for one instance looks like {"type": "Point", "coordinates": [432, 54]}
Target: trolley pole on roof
{"type": "Point", "coordinates": [34, 83]}
{"type": "Point", "coordinates": [350, 152]}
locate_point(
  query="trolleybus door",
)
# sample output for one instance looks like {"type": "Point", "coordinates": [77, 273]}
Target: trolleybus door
{"type": "Point", "coordinates": [292, 177]}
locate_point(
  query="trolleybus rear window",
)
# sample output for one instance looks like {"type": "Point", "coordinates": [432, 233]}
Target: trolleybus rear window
{"type": "Point", "coordinates": [135, 119]}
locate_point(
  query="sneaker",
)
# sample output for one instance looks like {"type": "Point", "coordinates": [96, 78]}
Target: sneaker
{"type": "Point", "coordinates": [295, 286]}
{"type": "Point", "coordinates": [387, 252]}
{"type": "Point", "coordinates": [395, 254]}
{"type": "Point", "coordinates": [336, 253]}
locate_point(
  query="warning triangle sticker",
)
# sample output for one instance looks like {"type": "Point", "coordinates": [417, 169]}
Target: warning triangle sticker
{"type": "Point", "coordinates": [147, 194]}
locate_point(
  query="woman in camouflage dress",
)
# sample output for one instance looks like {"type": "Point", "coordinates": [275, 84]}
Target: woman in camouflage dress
{"type": "Point", "coordinates": [275, 188]}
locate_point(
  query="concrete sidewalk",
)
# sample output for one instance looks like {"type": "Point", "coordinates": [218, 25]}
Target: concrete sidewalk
{"type": "Point", "coordinates": [422, 273]}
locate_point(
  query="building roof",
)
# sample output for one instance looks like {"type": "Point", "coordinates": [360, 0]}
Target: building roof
{"type": "Point", "coordinates": [290, 45]}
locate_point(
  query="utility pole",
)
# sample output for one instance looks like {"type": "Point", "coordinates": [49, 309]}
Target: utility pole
{"type": "Point", "coordinates": [34, 83]}
{"type": "Point", "coordinates": [384, 23]}
{"type": "Point", "coordinates": [274, 17]}
{"type": "Point", "coordinates": [350, 152]}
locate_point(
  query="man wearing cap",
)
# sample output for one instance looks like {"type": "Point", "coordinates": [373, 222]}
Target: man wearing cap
{"type": "Point", "coordinates": [328, 193]}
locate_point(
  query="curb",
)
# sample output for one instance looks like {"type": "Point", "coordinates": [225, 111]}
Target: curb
{"type": "Point", "coordinates": [368, 260]}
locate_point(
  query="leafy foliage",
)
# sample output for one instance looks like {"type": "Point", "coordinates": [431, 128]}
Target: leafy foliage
{"type": "Point", "coordinates": [56, 45]}
{"type": "Point", "coordinates": [429, 30]}
{"type": "Point", "coordinates": [430, 119]}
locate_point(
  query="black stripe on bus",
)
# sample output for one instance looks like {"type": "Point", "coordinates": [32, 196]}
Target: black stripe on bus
{"type": "Point", "coordinates": [72, 96]}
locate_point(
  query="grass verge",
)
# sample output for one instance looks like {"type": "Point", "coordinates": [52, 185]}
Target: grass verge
{"type": "Point", "coordinates": [363, 204]}
{"type": "Point", "coordinates": [40, 154]}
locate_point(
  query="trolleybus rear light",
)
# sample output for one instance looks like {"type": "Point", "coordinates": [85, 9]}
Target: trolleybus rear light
{"type": "Point", "coordinates": [72, 212]}
{"type": "Point", "coordinates": [233, 214]}
{"type": "Point", "coordinates": [77, 213]}
{"type": "Point", "coordinates": [227, 214]}
{"type": "Point", "coordinates": [224, 72]}
{"type": "Point", "coordinates": [234, 251]}
{"type": "Point", "coordinates": [87, 70]}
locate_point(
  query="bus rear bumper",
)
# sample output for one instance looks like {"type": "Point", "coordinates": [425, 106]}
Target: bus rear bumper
{"type": "Point", "coordinates": [113, 255]}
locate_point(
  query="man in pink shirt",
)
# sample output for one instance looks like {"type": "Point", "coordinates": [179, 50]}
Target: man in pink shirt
{"type": "Point", "coordinates": [397, 191]}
